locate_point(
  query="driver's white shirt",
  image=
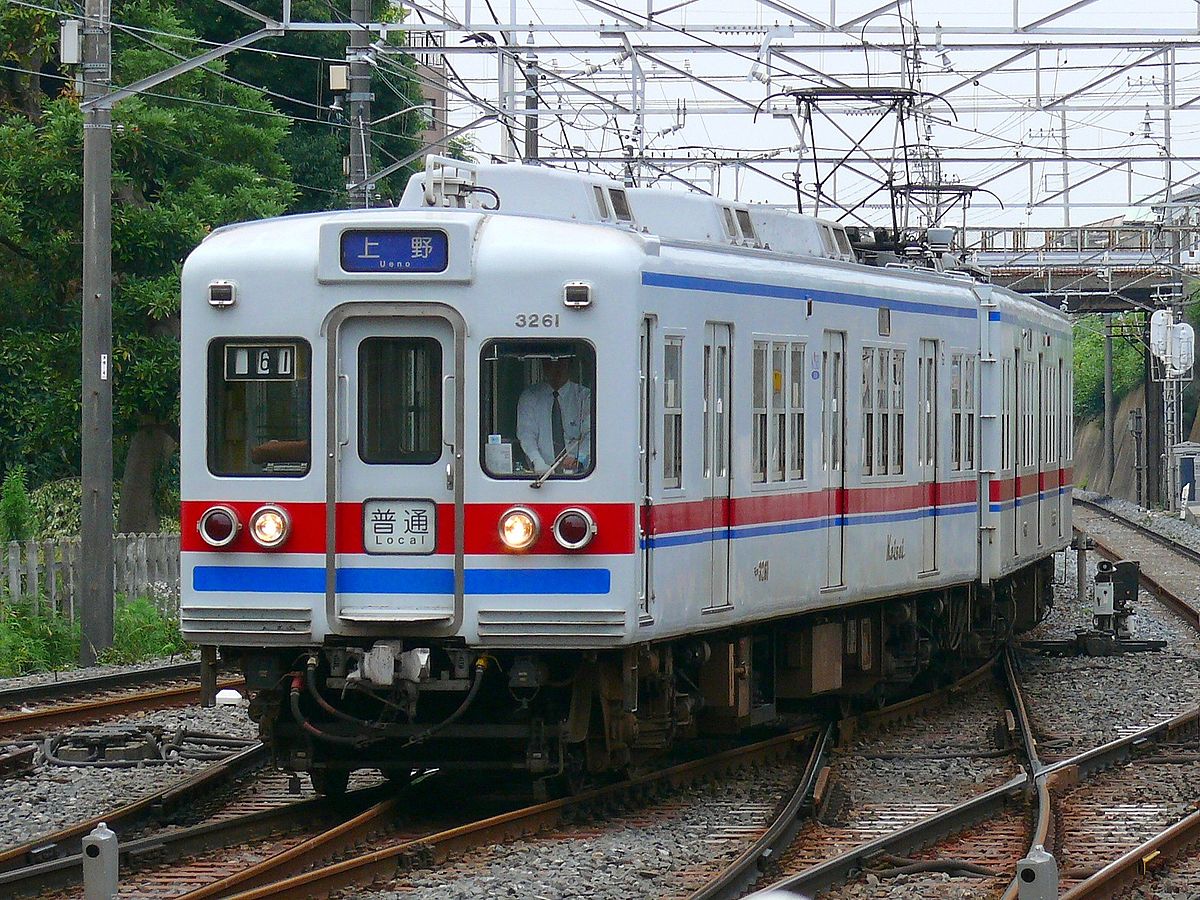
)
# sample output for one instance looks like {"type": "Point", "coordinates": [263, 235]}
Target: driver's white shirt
{"type": "Point", "coordinates": [533, 423]}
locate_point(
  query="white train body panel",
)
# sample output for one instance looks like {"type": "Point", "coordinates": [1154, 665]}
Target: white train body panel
{"type": "Point", "coordinates": [719, 549]}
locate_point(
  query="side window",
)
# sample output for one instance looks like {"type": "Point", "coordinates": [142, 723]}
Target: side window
{"type": "Point", "coordinates": [399, 400]}
{"type": "Point", "coordinates": [796, 412]}
{"type": "Point", "coordinates": [868, 411]}
{"type": "Point", "coordinates": [730, 226]}
{"type": "Point", "coordinates": [1006, 415]}
{"type": "Point", "coordinates": [743, 217]}
{"type": "Point", "coordinates": [601, 203]}
{"type": "Point", "coordinates": [883, 411]}
{"type": "Point", "coordinates": [259, 407]}
{"type": "Point", "coordinates": [537, 408]}
{"type": "Point", "coordinates": [620, 205]}
{"type": "Point", "coordinates": [970, 368]}
{"type": "Point", "coordinates": [956, 410]}
{"type": "Point", "coordinates": [779, 429]}
{"type": "Point", "coordinates": [673, 412]}
{"type": "Point", "coordinates": [778, 411]}
{"type": "Point", "coordinates": [1028, 420]}
{"type": "Point", "coordinates": [759, 413]}
{"type": "Point", "coordinates": [896, 461]}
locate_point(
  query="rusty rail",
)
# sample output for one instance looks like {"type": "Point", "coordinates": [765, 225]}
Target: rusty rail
{"type": "Point", "coordinates": [36, 721]}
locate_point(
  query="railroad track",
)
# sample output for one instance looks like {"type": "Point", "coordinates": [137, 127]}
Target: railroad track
{"type": "Point", "coordinates": [271, 859]}
{"type": "Point", "coordinates": [1174, 569]}
{"type": "Point", "coordinates": [266, 853]}
{"type": "Point", "coordinates": [1090, 808]}
{"type": "Point", "coordinates": [97, 698]}
{"type": "Point", "coordinates": [337, 859]}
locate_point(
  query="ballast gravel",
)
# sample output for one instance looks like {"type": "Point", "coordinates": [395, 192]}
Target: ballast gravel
{"type": "Point", "coordinates": [67, 675]}
{"type": "Point", "coordinates": [1163, 523]}
{"type": "Point", "coordinates": [1080, 702]}
{"type": "Point", "coordinates": [664, 851]}
{"type": "Point", "coordinates": [53, 797]}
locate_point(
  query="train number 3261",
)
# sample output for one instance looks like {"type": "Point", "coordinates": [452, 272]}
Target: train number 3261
{"type": "Point", "coordinates": [534, 320]}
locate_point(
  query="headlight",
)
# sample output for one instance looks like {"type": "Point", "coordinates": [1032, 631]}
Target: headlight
{"type": "Point", "coordinates": [574, 528]}
{"type": "Point", "coordinates": [218, 526]}
{"type": "Point", "coordinates": [519, 528]}
{"type": "Point", "coordinates": [269, 526]}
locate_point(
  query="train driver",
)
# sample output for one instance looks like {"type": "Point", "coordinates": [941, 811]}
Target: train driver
{"type": "Point", "coordinates": [554, 418]}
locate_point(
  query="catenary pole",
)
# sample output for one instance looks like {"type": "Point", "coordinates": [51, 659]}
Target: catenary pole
{"type": "Point", "coordinates": [96, 467]}
{"type": "Point", "coordinates": [359, 106]}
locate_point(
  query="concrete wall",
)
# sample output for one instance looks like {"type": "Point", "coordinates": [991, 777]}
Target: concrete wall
{"type": "Point", "coordinates": [1089, 452]}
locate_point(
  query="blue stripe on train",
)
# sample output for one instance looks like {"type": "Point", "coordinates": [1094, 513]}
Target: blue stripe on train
{"type": "Point", "coordinates": [699, 537]}
{"type": "Point", "coordinates": [784, 292]}
{"type": "Point", "coordinates": [311, 580]}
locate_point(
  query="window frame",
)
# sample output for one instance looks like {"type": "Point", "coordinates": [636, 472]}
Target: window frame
{"type": "Point", "coordinates": [672, 415]}
{"type": "Point", "coordinates": [779, 428]}
{"type": "Point", "coordinates": [224, 341]}
{"type": "Point", "coordinates": [484, 347]}
{"type": "Point", "coordinates": [428, 459]}
{"type": "Point", "coordinates": [621, 210]}
{"type": "Point", "coordinates": [882, 419]}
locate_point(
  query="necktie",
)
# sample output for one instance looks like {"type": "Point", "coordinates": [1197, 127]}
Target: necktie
{"type": "Point", "coordinates": [556, 426]}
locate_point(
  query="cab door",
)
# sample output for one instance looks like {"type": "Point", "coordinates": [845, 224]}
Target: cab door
{"type": "Point", "coordinates": [394, 507]}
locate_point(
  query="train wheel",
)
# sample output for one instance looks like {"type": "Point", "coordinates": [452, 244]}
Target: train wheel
{"type": "Point", "coordinates": [330, 782]}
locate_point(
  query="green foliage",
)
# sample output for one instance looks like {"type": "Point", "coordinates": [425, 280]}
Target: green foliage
{"type": "Point", "coordinates": [1089, 367]}
{"type": "Point", "coordinates": [56, 508]}
{"type": "Point", "coordinates": [16, 513]}
{"type": "Point", "coordinates": [198, 152]}
{"type": "Point", "coordinates": [32, 642]}
{"type": "Point", "coordinates": [142, 632]}
{"type": "Point", "coordinates": [46, 641]}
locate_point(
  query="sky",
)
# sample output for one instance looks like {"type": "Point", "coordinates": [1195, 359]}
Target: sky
{"type": "Point", "coordinates": [1075, 129]}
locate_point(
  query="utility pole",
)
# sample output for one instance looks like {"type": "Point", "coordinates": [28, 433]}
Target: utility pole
{"type": "Point", "coordinates": [1109, 406]}
{"type": "Point", "coordinates": [359, 107]}
{"type": "Point", "coordinates": [96, 426]}
{"type": "Point", "coordinates": [531, 104]}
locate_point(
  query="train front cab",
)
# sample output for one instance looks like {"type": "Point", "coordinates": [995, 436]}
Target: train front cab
{"type": "Point", "coordinates": [443, 517]}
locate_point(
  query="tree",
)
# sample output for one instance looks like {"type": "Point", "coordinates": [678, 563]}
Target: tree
{"type": "Point", "coordinates": [297, 82]}
{"type": "Point", "coordinates": [198, 153]}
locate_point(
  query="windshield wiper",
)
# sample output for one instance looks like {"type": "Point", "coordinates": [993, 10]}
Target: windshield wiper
{"type": "Point", "coordinates": [541, 479]}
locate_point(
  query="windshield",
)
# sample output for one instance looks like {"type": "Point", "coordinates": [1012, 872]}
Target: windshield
{"type": "Point", "coordinates": [259, 419]}
{"type": "Point", "coordinates": [538, 405]}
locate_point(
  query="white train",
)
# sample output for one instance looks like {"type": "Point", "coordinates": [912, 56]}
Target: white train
{"type": "Point", "coordinates": [537, 471]}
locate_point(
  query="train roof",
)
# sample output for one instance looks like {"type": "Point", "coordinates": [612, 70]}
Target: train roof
{"type": "Point", "coordinates": [689, 219]}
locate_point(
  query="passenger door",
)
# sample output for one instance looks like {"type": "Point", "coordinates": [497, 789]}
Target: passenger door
{"type": "Point", "coordinates": [646, 457]}
{"type": "Point", "coordinates": [716, 457]}
{"type": "Point", "coordinates": [927, 450]}
{"type": "Point", "coordinates": [394, 500]}
{"type": "Point", "coordinates": [833, 456]}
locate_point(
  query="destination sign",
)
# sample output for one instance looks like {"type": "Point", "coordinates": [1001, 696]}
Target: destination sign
{"type": "Point", "coordinates": [394, 250]}
{"type": "Point", "coordinates": [260, 362]}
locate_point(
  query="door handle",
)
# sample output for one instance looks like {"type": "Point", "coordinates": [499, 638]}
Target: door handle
{"type": "Point", "coordinates": [450, 476]}
{"type": "Point", "coordinates": [343, 410]}
{"type": "Point", "coordinates": [448, 410]}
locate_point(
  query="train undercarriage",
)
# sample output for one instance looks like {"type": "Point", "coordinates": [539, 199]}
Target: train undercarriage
{"type": "Point", "coordinates": [565, 717]}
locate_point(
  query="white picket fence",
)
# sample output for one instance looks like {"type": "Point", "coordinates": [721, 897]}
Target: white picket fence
{"type": "Point", "coordinates": [48, 573]}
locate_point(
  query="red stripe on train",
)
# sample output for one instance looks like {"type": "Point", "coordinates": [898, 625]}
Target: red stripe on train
{"type": "Point", "coordinates": [614, 527]}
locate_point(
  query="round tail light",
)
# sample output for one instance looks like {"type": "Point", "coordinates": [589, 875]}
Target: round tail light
{"type": "Point", "coordinates": [218, 526]}
{"type": "Point", "coordinates": [270, 526]}
{"type": "Point", "coordinates": [519, 528]}
{"type": "Point", "coordinates": [574, 528]}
